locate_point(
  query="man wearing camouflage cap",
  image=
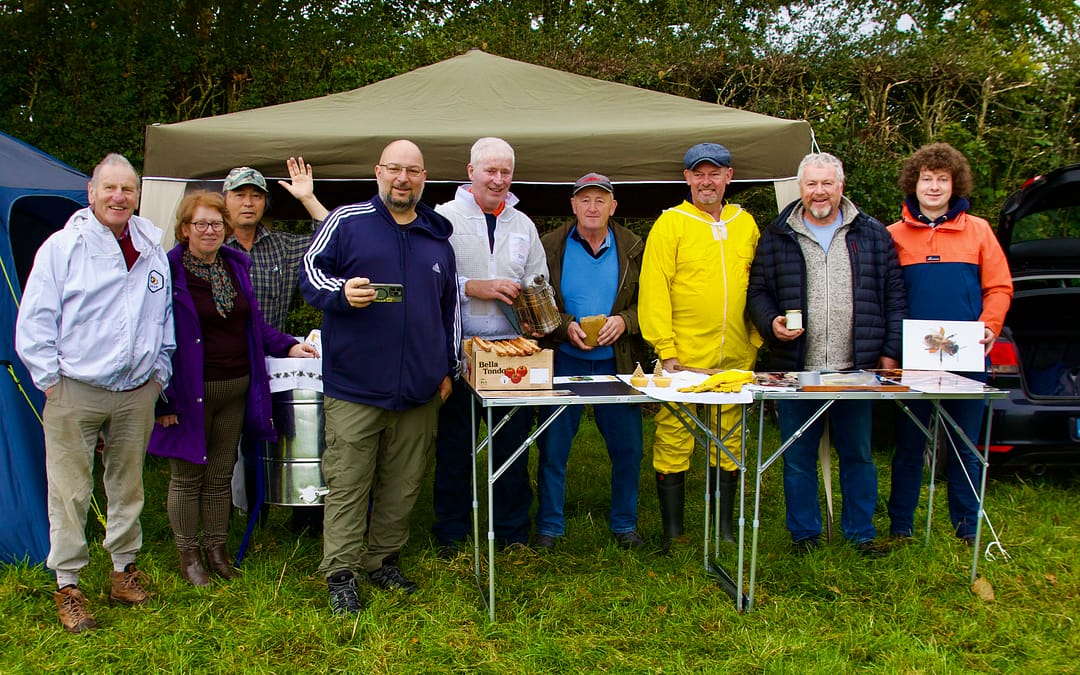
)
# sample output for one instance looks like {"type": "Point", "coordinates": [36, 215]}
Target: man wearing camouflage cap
{"type": "Point", "coordinates": [275, 261]}
{"type": "Point", "coordinates": [275, 255]}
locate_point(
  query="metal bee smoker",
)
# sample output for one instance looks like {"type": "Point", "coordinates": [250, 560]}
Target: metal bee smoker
{"type": "Point", "coordinates": [535, 306]}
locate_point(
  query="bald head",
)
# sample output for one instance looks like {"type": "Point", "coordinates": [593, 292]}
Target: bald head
{"type": "Point", "coordinates": [401, 174]}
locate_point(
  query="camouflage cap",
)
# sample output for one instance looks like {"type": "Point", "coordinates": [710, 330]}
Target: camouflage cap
{"type": "Point", "coordinates": [244, 175]}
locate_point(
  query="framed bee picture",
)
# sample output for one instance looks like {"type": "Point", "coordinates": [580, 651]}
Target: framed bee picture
{"type": "Point", "coordinates": [943, 345]}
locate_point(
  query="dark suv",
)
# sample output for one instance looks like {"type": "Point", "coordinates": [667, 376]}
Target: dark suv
{"type": "Point", "coordinates": [1037, 356]}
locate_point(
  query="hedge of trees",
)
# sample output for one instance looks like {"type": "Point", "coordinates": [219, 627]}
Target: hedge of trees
{"type": "Point", "coordinates": [876, 78]}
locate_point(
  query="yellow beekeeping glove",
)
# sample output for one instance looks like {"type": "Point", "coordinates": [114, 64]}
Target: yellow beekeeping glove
{"type": "Point", "coordinates": [724, 381]}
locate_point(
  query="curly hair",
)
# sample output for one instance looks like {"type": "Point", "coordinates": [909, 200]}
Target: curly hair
{"type": "Point", "coordinates": [937, 157]}
{"type": "Point", "coordinates": [186, 210]}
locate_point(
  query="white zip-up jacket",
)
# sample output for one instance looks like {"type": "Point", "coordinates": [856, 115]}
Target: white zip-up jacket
{"type": "Point", "coordinates": [85, 316]}
{"type": "Point", "coordinates": [518, 255]}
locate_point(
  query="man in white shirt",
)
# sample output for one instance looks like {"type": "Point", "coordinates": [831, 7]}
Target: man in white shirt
{"type": "Point", "coordinates": [498, 250]}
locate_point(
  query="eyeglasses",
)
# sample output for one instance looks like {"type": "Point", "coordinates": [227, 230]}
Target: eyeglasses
{"type": "Point", "coordinates": [204, 225]}
{"type": "Point", "coordinates": [395, 169]}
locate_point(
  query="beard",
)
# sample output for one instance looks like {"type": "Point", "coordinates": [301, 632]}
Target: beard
{"type": "Point", "coordinates": [400, 205]}
{"type": "Point", "coordinates": [822, 212]}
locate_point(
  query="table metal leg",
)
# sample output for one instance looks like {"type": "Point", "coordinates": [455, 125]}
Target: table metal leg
{"type": "Point", "coordinates": [955, 433]}
{"type": "Point", "coordinates": [764, 464]}
{"type": "Point", "coordinates": [933, 434]}
{"type": "Point", "coordinates": [493, 475]}
{"type": "Point", "coordinates": [707, 433]}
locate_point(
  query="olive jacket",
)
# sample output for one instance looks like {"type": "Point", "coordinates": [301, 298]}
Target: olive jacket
{"type": "Point", "coordinates": [629, 348]}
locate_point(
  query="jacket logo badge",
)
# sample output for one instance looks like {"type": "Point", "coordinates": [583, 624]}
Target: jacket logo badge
{"type": "Point", "coordinates": [933, 258]}
{"type": "Point", "coordinates": [155, 281]}
{"type": "Point", "coordinates": [435, 268]}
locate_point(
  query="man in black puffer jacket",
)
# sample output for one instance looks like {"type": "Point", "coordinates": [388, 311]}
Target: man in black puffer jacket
{"type": "Point", "coordinates": [837, 265]}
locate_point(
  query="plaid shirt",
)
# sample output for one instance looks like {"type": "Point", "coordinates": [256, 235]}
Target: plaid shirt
{"type": "Point", "coordinates": [275, 263]}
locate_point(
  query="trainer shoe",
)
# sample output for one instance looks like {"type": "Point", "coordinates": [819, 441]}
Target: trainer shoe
{"type": "Point", "coordinates": [127, 586]}
{"type": "Point", "coordinates": [344, 599]}
{"type": "Point", "coordinates": [451, 550]}
{"type": "Point", "coordinates": [389, 577]}
{"type": "Point", "coordinates": [629, 539]}
{"type": "Point", "coordinates": [871, 549]}
{"type": "Point", "coordinates": [71, 603]}
{"type": "Point", "coordinates": [804, 546]}
{"type": "Point", "coordinates": [543, 542]}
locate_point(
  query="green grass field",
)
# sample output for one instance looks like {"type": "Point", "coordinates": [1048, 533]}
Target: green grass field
{"type": "Point", "coordinates": [589, 606]}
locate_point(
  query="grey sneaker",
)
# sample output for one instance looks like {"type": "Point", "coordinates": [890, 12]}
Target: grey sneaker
{"type": "Point", "coordinates": [344, 599]}
{"type": "Point", "coordinates": [389, 577]}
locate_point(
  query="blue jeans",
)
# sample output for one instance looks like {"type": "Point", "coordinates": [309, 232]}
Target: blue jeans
{"type": "Point", "coordinates": [453, 466]}
{"type": "Point", "coordinates": [849, 428]}
{"type": "Point", "coordinates": [907, 467]}
{"type": "Point", "coordinates": [619, 424]}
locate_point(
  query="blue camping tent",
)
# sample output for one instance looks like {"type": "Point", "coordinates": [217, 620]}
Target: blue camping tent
{"type": "Point", "coordinates": [37, 194]}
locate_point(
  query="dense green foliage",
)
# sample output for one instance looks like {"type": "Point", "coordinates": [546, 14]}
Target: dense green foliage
{"type": "Point", "coordinates": [875, 78]}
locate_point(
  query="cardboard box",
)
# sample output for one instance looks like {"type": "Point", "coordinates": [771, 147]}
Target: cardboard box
{"type": "Point", "coordinates": [486, 371]}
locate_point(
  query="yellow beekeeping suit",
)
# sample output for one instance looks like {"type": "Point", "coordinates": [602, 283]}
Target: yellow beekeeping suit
{"type": "Point", "coordinates": [691, 305]}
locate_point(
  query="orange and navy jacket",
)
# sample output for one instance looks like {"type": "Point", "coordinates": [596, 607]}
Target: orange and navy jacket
{"type": "Point", "coordinates": [955, 271]}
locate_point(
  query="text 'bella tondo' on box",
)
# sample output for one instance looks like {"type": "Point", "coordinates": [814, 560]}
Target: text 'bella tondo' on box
{"type": "Point", "coordinates": [507, 364]}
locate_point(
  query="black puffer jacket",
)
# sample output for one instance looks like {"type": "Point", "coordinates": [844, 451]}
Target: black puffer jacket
{"type": "Point", "coordinates": [778, 280]}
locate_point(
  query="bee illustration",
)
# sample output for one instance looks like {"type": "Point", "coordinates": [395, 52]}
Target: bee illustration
{"type": "Point", "coordinates": [941, 344]}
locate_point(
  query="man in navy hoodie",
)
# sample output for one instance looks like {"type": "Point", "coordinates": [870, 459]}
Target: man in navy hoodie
{"type": "Point", "coordinates": [388, 360]}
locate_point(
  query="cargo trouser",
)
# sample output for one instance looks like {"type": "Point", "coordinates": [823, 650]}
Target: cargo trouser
{"type": "Point", "coordinates": [379, 453]}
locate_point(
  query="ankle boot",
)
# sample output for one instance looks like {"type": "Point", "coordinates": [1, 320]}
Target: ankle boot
{"type": "Point", "coordinates": [191, 567]}
{"type": "Point", "coordinates": [671, 492]}
{"type": "Point", "coordinates": [219, 562]}
{"type": "Point", "coordinates": [725, 484]}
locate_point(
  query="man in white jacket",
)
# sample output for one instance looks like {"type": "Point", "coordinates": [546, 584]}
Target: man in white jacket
{"type": "Point", "coordinates": [95, 331]}
{"type": "Point", "coordinates": [497, 250]}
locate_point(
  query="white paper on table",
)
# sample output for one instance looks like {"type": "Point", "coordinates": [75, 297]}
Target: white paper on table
{"type": "Point", "coordinates": [940, 382]}
{"type": "Point", "coordinates": [687, 378]}
{"type": "Point", "coordinates": [571, 379]}
{"type": "Point", "coordinates": [294, 373]}
{"type": "Point", "coordinates": [943, 345]}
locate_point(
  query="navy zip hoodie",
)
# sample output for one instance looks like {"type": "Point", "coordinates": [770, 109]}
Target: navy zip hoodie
{"type": "Point", "coordinates": [392, 355]}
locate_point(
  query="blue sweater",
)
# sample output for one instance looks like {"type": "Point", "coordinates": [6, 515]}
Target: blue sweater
{"type": "Point", "coordinates": [389, 355]}
{"type": "Point", "coordinates": [588, 287]}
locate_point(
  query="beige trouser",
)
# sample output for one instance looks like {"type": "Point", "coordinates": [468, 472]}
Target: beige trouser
{"type": "Point", "coordinates": [376, 452]}
{"type": "Point", "coordinates": [74, 415]}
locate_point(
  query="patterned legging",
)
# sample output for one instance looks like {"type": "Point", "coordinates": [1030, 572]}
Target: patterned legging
{"type": "Point", "coordinates": [202, 492]}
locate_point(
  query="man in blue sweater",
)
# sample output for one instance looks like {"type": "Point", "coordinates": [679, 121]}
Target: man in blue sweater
{"type": "Point", "coordinates": [594, 266]}
{"type": "Point", "coordinates": [388, 360]}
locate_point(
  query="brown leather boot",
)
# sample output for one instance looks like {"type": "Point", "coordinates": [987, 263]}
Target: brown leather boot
{"type": "Point", "coordinates": [191, 567]}
{"type": "Point", "coordinates": [71, 603]}
{"type": "Point", "coordinates": [219, 562]}
{"type": "Point", "coordinates": [127, 586]}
